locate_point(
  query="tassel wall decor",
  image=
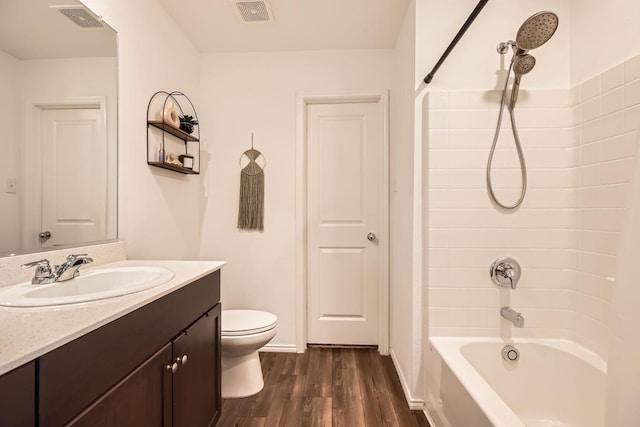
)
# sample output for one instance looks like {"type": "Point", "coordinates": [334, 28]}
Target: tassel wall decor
{"type": "Point", "coordinates": [251, 206]}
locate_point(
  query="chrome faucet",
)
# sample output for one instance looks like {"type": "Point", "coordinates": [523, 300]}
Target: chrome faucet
{"type": "Point", "coordinates": [512, 316]}
{"type": "Point", "coordinates": [66, 271]}
{"type": "Point", "coordinates": [69, 269]}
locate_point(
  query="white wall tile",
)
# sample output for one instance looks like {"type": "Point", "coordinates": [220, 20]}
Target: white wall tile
{"type": "Point", "coordinates": [528, 258]}
{"type": "Point", "coordinates": [439, 138]}
{"type": "Point", "coordinates": [597, 264]}
{"type": "Point", "coordinates": [628, 167]}
{"type": "Point", "coordinates": [590, 153]}
{"type": "Point", "coordinates": [438, 100]}
{"type": "Point", "coordinates": [438, 257]}
{"type": "Point", "coordinates": [619, 147]}
{"type": "Point", "coordinates": [613, 124]}
{"type": "Point", "coordinates": [605, 219]}
{"type": "Point", "coordinates": [632, 69]}
{"type": "Point", "coordinates": [475, 100]}
{"type": "Point", "coordinates": [489, 218]}
{"type": "Point", "coordinates": [604, 242]}
{"type": "Point", "coordinates": [439, 119]}
{"type": "Point", "coordinates": [590, 109]}
{"type": "Point", "coordinates": [591, 131]}
{"type": "Point", "coordinates": [632, 93]}
{"type": "Point", "coordinates": [590, 171]}
{"type": "Point", "coordinates": [613, 78]}
{"type": "Point", "coordinates": [594, 286]}
{"type": "Point", "coordinates": [470, 138]}
{"type": "Point", "coordinates": [613, 101]}
{"type": "Point", "coordinates": [590, 89]}
{"type": "Point", "coordinates": [632, 119]}
{"type": "Point", "coordinates": [464, 297]}
{"type": "Point", "coordinates": [595, 308]}
{"type": "Point", "coordinates": [543, 118]}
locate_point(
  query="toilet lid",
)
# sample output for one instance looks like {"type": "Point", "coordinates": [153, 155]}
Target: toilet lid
{"type": "Point", "coordinates": [246, 322]}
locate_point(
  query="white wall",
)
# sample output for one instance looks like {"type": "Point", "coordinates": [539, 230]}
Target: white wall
{"type": "Point", "coordinates": [603, 34]}
{"type": "Point", "coordinates": [10, 123]}
{"type": "Point", "coordinates": [256, 92]}
{"type": "Point", "coordinates": [159, 211]}
{"type": "Point", "coordinates": [405, 327]}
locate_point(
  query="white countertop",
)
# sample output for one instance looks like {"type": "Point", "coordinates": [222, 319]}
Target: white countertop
{"type": "Point", "coordinates": [27, 333]}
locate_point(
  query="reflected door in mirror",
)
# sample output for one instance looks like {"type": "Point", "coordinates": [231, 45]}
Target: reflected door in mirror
{"type": "Point", "coordinates": [74, 152]}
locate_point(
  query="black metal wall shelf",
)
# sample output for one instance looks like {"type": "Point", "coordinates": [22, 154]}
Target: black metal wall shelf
{"type": "Point", "coordinates": [170, 141]}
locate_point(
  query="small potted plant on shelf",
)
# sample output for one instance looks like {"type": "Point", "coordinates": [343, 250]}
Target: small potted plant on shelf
{"type": "Point", "coordinates": [187, 123]}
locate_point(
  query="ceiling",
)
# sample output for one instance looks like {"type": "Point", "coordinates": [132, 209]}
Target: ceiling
{"type": "Point", "coordinates": [215, 25]}
{"type": "Point", "coordinates": [32, 30]}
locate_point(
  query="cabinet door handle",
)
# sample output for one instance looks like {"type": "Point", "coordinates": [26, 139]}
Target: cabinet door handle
{"type": "Point", "coordinates": [182, 359]}
{"type": "Point", "coordinates": [173, 367]}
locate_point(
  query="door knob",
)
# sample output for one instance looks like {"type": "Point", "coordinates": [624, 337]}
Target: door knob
{"type": "Point", "coordinates": [182, 359]}
{"type": "Point", "coordinates": [371, 237]}
{"type": "Point", "coordinates": [173, 368]}
{"type": "Point", "coordinates": [45, 235]}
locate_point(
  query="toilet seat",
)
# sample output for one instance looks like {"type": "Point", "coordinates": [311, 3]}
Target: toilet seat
{"type": "Point", "coordinates": [247, 322]}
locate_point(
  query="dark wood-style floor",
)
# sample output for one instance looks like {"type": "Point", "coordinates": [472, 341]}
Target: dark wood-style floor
{"type": "Point", "coordinates": [325, 387]}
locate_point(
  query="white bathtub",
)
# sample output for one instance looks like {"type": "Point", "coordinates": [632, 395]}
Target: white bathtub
{"type": "Point", "coordinates": [555, 383]}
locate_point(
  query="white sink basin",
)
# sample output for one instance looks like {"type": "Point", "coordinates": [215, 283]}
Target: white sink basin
{"type": "Point", "coordinates": [90, 285]}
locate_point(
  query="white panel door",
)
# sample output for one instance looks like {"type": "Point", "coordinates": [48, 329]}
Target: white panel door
{"type": "Point", "coordinates": [344, 148]}
{"type": "Point", "coordinates": [74, 162]}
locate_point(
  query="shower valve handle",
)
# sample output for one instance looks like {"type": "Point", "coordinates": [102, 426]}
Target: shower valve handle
{"type": "Point", "coordinates": [505, 272]}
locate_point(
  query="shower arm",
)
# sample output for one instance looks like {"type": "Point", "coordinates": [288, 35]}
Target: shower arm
{"type": "Point", "coordinates": [456, 39]}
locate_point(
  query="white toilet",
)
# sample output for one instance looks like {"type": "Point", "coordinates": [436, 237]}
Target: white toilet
{"type": "Point", "coordinates": [243, 333]}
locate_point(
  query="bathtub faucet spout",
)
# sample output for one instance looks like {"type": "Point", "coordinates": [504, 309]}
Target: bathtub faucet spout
{"type": "Point", "coordinates": [512, 316]}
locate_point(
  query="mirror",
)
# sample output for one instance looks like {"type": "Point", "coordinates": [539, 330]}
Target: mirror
{"type": "Point", "coordinates": [58, 126]}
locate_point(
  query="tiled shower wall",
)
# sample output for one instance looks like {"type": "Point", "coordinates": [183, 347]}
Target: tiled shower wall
{"type": "Point", "coordinates": [609, 136]}
{"type": "Point", "coordinates": [579, 146]}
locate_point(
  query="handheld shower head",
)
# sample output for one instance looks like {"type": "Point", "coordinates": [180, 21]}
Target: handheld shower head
{"type": "Point", "coordinates": [536, 31]}
{"type": "Point", "coordinates": [522, 64]}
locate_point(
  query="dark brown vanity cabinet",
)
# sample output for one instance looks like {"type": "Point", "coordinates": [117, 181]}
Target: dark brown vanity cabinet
{"type": "Point", "coordinates": [18, 397]}
{"type": "Point", "coordinates": [159, 365]}
{"type": "Point", "coordinates": [177, 386]}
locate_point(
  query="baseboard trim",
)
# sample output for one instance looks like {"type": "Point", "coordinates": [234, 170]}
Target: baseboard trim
{"type": "Point", "coordinates": [280, 348]}
{"type": "Point", "coordinates": [414, 404]}
{"type": "Point", "coordinates": [431, 420]}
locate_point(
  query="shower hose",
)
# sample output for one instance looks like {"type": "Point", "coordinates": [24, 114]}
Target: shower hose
{"type": "Point", "coordinates": [514, 128]}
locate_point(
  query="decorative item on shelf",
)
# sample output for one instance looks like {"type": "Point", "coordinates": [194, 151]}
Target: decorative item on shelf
{"type": "Point", "coordinates": [186, 160]}
{"type": "Point", "coordinates": [187, 122]}
{"type": "Point", "coordinates": [172, 160]}
{"type": "Point", "coordinates": [161, 155]}
{"type": "Point", "coordinates": [251, 206]}
{"type": "Point", "coordinates": [169, 114]}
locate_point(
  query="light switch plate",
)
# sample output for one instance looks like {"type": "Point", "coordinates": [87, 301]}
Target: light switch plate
{"type": "Point", "coordinates": [11, 185]}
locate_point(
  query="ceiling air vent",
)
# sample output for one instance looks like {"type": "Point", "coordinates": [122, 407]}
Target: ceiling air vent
{"type": "Point", "coordinates": [254, 11]}
{"type": "Point", "coordinates": [80, 16]}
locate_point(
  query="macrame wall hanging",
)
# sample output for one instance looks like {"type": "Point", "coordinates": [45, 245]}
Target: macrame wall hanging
{"type": "Point", "coordinates": [251, 206]}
